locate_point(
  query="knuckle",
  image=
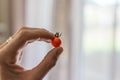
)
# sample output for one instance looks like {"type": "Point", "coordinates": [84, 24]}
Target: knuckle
{"type": "Point", "coordinates": [23, 30]}
{"type": "Point", "coordinates": [23, 33]}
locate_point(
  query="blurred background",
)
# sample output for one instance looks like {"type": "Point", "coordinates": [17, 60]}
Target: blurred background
{"type": "Point", "coordinates": [90, 34]}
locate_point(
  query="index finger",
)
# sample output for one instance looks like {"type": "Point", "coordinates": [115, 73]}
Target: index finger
{"type": "Point", "coordinates": [24, 35]}
{"type": "Point", "coordinates": [35, 33]}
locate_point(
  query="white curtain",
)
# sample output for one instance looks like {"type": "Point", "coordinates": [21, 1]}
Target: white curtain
{"type": "Point", "coordinates": [90, 34]}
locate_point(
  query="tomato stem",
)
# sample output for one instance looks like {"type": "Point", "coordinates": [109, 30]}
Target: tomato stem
{"type": "Point", "coordinates": [57, 34]}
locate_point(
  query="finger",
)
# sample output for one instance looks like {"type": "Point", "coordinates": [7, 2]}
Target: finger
{"type": "Point", "coordinates": [48, 62]}
{"type": "Point", "coordinates": [30, 34]}
{"type": "Point", "coordinates": [24, 35]}
{"type": "Point", "coordinates": [41, 33]}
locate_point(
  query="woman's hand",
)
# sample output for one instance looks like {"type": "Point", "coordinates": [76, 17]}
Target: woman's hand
{"type": "Point", "coordinates": [9, 70]}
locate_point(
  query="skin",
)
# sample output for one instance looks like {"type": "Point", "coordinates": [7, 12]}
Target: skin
{"type": "Point", "coordinates": [9, 70]}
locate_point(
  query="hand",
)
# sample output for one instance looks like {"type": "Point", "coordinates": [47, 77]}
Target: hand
{"type": "Point", "coordinates": [9, 50]}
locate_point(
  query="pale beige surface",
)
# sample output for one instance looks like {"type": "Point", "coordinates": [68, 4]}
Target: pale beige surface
{"type": "Point", "coordinates": [3, 10]}
{"type": "Point", "coordinates": [4, 20]}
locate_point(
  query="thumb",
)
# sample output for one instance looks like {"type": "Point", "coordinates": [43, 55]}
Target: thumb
{"type": "Point", "coordinates": [48, 62]}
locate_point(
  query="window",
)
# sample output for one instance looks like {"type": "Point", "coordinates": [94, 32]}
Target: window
{"type": "Point", "coordinates": [91, 37]}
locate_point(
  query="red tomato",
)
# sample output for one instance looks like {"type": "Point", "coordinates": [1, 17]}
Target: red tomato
{"type": "Point", "coordinates": [56, 42]}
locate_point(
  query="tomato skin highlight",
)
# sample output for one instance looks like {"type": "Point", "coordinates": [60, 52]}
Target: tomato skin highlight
{"type": "Point", "coordinates": [56, 42]}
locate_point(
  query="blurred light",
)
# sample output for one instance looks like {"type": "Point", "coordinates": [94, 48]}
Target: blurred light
{"type": "Point", "coordinates": [105, 2]}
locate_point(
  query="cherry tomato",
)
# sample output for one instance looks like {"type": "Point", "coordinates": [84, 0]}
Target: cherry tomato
{"type": "Point", "coordinates": [56, 41]}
